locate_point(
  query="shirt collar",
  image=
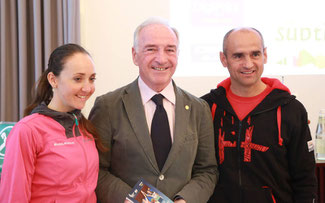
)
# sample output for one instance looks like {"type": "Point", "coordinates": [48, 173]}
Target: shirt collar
{"type": "Point", "coordinates": [147, 93]}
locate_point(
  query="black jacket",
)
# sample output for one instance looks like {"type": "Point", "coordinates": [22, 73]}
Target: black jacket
{"type": "Point", "coordinates": [268, 164]}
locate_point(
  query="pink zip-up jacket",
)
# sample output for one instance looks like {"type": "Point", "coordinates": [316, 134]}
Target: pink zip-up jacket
{"type": "Point", "coordinates": [48, 159]}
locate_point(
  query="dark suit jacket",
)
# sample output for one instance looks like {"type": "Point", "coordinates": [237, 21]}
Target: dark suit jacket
{"type": "Point", "coordinates": [190, 169]}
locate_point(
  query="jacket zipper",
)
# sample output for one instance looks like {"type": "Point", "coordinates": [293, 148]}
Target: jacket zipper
{"type": "Point", "coordinates": [76, 125]}
{"type": "Point", "coordinates": [239, 158]}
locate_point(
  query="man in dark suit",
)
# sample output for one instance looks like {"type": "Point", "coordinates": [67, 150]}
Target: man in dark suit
{"type": "Point", "coordinates": [185, 168]}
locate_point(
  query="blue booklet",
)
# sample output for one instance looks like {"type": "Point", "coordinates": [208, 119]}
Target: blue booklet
{"type": "Point", "coordinates": [143, 192]}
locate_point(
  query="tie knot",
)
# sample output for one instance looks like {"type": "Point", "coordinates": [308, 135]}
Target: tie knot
{"type": "Point", "coordinates": [158, 99]}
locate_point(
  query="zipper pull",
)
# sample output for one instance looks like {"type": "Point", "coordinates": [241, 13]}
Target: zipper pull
{"type": "Point", "coordinates": [75, 119]}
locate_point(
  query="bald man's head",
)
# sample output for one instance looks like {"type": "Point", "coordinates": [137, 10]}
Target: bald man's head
{"type": "Point", "coordinates": [244, 29]}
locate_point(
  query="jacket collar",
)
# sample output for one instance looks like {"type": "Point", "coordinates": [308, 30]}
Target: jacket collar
{"type": "Point", "coordinates": [66, 119]}
{"type": "Point", "coordinates": [275, 98]}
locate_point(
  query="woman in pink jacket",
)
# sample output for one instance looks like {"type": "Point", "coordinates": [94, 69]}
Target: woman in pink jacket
{"type": "Point", "coordinates": [51, 154]}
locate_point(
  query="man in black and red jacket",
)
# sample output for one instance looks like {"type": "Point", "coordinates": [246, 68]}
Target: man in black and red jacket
{"type": "Point", "coordinates": [263, 143]}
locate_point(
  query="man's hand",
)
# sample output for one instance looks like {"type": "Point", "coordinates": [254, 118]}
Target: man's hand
{"type": "Point", "coordinates": [180, 201]}
{"type": "Point", "coordinates": [127, 201]}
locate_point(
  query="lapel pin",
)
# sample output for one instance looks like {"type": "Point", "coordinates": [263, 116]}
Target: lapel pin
{"type": "Point", "coordinates": [187, 107]}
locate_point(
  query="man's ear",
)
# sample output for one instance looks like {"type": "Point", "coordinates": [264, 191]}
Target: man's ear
{"type": "Point", "coordinates": [265, 55]}
{"type": "Point", "coordinates": [52, 80]}
{"type": "Point", "coordinates": [223, 59]}
{"type": "Point", "coordinates": [134, 56]}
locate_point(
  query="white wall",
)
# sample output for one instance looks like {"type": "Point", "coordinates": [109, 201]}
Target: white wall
{"type": "Point", "coordinates": [107, 28]}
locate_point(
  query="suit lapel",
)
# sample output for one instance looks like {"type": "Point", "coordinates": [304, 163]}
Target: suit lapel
{"type": "Point", "coordinates": [182, 113]}
{"type": "Point", "coordinates": [135, 111]}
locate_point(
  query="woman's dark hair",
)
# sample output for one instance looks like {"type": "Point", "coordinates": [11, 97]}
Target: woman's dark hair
{"type": "Point", "coordinates": [55, 65]}
{"type": "Point", "coordinates": [44, 91]}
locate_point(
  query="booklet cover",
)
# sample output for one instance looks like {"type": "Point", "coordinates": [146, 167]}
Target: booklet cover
{"type": "Point", "coordinates": [143, 192]}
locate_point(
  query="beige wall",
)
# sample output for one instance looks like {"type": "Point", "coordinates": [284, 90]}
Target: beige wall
{"type": "Point", "coordinates": [107, 33]}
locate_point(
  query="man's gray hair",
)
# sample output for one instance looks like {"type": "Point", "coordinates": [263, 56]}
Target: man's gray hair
{"type": "Point", "coordinates": [151, 21]}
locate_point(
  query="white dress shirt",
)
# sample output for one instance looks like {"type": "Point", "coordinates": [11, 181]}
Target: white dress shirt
{"type": "Point", "coordinates": [149, 106]}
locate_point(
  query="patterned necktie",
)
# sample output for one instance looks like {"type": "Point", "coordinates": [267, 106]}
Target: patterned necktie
{"type": "Point", "coordinates": [160, 132]}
